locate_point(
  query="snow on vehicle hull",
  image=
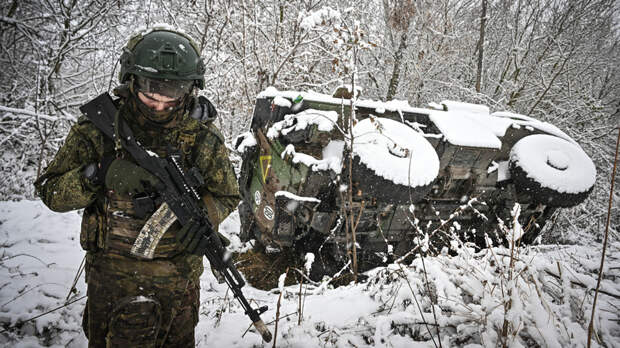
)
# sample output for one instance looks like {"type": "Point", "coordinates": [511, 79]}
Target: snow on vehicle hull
{"type": "Point", "coordinates": [293, 181]}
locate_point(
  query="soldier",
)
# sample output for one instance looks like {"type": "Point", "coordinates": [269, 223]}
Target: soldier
{"type": "Point", "coordinates": [135, 302]}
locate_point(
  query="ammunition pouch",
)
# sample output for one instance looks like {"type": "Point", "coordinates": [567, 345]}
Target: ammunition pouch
{"type": "Point", "coordinates": [91, 232]}
{"type": "Point", "coordinates": [124, 225]}
{"type": "Point", "coordinates": [135, 322]}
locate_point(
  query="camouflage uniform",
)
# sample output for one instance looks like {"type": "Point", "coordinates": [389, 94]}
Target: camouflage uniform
{"type": "Point", "coordinates": [134, 302]}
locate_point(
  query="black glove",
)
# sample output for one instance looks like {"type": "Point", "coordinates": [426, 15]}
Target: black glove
{"type": "Point", "coordinates": [193, 238]}
{"type": "Point", "coordinates": [126, 178]}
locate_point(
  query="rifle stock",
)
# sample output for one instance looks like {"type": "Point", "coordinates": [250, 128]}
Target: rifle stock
{"type": "Point", "coordinates": [179, 193]}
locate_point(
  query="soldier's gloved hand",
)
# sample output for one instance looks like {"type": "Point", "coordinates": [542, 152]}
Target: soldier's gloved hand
{"type": "Point", "coordinates": [193, 238]}
{"type": "Point", "coordinates": [126, 178]}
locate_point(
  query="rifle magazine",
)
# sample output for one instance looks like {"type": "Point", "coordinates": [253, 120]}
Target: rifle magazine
{"type": "Point", "coordinates": [152, 231]}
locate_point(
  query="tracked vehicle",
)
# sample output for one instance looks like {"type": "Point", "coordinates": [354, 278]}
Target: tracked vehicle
{"type": "Point", "coordinates": [432, 176]}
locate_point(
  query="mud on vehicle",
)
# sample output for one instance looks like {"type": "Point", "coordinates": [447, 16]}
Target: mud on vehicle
{"type": "Point", "coordinates": [452, 171]}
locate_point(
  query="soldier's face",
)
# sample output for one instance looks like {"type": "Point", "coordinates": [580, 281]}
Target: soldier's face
{"type": "Point", "coordinates": [158, 102]}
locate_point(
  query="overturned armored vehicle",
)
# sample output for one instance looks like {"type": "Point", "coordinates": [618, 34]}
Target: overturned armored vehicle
{"type": "Point", "coordinates": [450, 173]}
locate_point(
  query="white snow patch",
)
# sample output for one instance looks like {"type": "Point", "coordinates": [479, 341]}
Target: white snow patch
{"type": "Point", "coordinates": [283, 102]}
{"type": "Point", "coordinates": [40, 256]}
{"type": "Point", "coordinates": [471, 125]}
{"type": "Point", "coordinates": [530, 123]}
{"type": "Point", "coordinates": [248, 141]}
{"type": "Point", "coordinates": [295, 197]}
{"type": "Point", "coordinates": [309, 260]}
{"type": "Point", "coordinates": [142, 31]}
{"type": "Point", "coordinates": [230, 228]}
{"type": "Point", "coordinates": [554, 163]}
{"type": "Point", "coordinates": [328, 163]}
{"type": "Point", "coordinates": [391, 106]}
{"type": "Point", "coordinates": [503, 171]}
{"type": "Point", "coordinates": [435, 106]}
{"type": "Point", "coordinates": [468, 288]}
{"type": "Point", "coordinates": [333, 152]}
{"type": "Point", "coordinates": [324, 120]}
{"type": "Point", "coordinates": [310, 20]}
{"type": "Point", "coordinates": [469, 108]}
{"type": "Point", "coordinates": [395, 152]}
{"type": "Point", "coordinates": [463, 124]}
{"type": "Point", "coordinates": [281, 281]}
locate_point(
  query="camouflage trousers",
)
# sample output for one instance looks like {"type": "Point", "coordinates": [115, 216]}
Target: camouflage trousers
{"type": "Point", "coordinates": [134, 303]}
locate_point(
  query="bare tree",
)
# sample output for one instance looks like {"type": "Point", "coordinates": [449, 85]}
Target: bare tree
{"type": "Point", "coordinates": [483, 21]}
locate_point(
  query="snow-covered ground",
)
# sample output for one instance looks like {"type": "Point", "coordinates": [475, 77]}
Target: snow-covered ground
{"type": "Point", "coordinates": [542, 297]}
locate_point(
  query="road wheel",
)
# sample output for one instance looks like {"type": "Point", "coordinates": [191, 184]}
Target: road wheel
{"type": "Point", "coordinates": [551, 170]}
{"type": "Point", "coordinates": [392, 162]}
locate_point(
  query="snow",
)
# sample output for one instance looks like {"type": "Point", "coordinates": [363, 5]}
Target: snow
{"type": "Point", "coordinates": [281, 281]}
{"type": "Point", "coordinates": [327, 163]}
{"type": "Point", "coordinates": [503, 171]}
{"type": "Point", "coordinates": [554, 163]}
{"type": "Point", "coordinates": [309, 260]}
{"type": "Point", "coordinates": [295, 197]}
{"type": "Point", "coordinates": [279, 101]}
{"type": "Point", "coordinates": [248, 141]}
{"type": "Point", "coordinates": [502, 168]}
{"type": "Point", "coordinates": [466, 125]}
{"type": "Point", "coordinates": [40, 257]}
{"type": "Point", "coordinates": [395, 152]}
{"type": "Point", "coordinates": [492, 167]}
{"type": "Point", "coordinates": [324, 120]}
{"type": "Point", "coordinates": [550, 294]}
{"type": "Point", "coordinates": [463, 124]}
{"type": "Point", "coordinates": [558, 159]}
{"type": "Point", "coordinates": [452, 105]}
{"type": "Point", "coordinates": [309, 20]}
{"type": "Point", "coordinates": [142, 31]}
{"type": "Point", "coordinates": [472, 125]}
{"type": "Point", "coordinates": [391, 106]}
{"type": "Point", "coordinates": [333, 152]}
{"type": "Point", "coordinates": [526, 121]}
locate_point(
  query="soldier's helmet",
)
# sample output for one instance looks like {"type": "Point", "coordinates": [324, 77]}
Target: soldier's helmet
{"type": "Point", "coordinates": [163, 61]}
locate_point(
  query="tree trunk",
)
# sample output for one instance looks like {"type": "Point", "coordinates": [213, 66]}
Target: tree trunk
{"type": "Point", "coordinates": [483, 22]}
{"type": "Point", "coordinates": [398, 57]}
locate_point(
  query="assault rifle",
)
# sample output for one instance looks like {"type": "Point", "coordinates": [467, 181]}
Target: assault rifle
{"type": "Point", "coordinates": [179, 198]}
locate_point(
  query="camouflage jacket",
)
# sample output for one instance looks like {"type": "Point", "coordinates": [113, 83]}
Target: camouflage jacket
{"type": "Point", "coordinates": [63, 187]}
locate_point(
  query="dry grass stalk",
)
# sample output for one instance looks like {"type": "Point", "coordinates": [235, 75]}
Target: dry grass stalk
{"type": "Point", "coordinates": [275, 330]}
{"type": "Point", "coordinates": [600, 271]}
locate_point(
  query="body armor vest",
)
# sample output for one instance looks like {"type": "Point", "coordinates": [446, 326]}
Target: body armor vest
{"type": "Point", "coordinates": [123, 226]}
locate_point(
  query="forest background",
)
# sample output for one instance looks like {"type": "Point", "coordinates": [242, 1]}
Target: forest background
{"type": "Point", "coordinates": [557, 61]}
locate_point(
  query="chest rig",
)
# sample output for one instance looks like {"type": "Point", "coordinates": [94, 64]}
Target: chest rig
{"type": "Point", "coordinates": [124, 215]}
